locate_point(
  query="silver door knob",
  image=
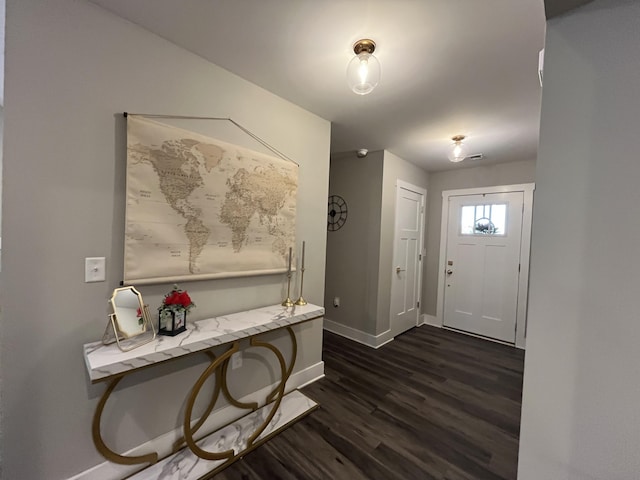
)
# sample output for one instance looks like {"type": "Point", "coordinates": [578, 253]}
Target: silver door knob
{"type": "Point", "coordinates": [449, 272]}
{"type": "Point", "coordinates": [398, 270]}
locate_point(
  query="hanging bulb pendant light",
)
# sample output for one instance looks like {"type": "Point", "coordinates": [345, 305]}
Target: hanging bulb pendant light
{"type": "Point", "coordinates": [458, 151]}
{"type": "Point", "coordinates": [363, 71]}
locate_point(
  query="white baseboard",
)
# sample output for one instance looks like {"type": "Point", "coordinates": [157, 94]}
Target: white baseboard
{"type": "Point", "coordinates": [218, 418]}
{"type": "Point", "coordinates": [430, 320]}
{"type": "Point", "coordinates": [374, 341]}
{"type": "Point", "coordinates": [305, 377]}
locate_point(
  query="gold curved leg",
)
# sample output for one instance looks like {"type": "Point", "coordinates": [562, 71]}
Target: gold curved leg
{"type": "Point", "coordinates": [188, 434]}
{"type": "Point", "coordinates": [225, 389]}
{"type": "Point", "coordinates": [222, 363]}
{"type": "Point", "coordinates": [279, 391]}
{"type": "Point", "coordinates": [214, 398]}
{"type": "Point", "coordinates": [292, 362]}
{"type": "Point", "coordinates": [106, 452]}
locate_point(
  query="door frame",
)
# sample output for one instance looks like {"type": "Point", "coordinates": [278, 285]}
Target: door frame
{"type": "Point", "coordinates": [421, 247]}
{"type": "Point", "coordinates": [525, 250]}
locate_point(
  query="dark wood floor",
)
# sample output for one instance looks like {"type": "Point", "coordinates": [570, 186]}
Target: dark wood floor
{"type": "Point", "coordinates": [432, 404]}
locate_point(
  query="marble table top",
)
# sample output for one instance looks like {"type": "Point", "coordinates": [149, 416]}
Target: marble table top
{"type": "Point", "coordinates": [104, 361]}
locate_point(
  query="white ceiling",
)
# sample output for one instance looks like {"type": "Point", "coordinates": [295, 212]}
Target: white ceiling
{"type": "Point", "coordinates": [448, 66]}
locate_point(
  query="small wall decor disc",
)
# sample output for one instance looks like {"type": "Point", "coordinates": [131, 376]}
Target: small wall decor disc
{"type": "Point", "coordinates": [337, 213]}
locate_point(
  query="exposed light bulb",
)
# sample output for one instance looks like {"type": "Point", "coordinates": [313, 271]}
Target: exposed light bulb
{"type": "Point", "coordinates": [363, 71]}
{"type": "Point", "coordinates": [458, 151]}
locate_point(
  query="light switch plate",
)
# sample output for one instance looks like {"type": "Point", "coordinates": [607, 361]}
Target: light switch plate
{"type": "Point", "coordinates": [94, 269]}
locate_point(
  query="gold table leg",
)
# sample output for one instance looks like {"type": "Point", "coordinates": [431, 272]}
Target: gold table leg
{"type": "Point", "coordinates": [221, 383]}
{"type": "Point", "coordinates": [225, 389]}
{"type": "Point", "coordinates": [214, 398]}
{"type": "Point", "coordinates": [219, 366]}
{"type": "Point", "coordinates": [292, 362]}
{"type": "Point", "coordinates": [188, 434]}
{"type": "Point", "coordinates": [279, 391]}
{"type": "Point", "coordinates": [106, 452]}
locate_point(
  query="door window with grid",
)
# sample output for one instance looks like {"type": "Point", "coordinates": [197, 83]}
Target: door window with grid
{"type": "Point", "coordinates": [485, 219]}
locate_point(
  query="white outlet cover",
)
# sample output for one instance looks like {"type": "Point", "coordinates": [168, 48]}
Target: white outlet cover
{"type": "Point", "coordinates": [236, 360]}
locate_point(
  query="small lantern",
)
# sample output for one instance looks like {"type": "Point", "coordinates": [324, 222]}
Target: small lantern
{"type": "Point", "coordinates": [172, 322]}
{"type": "Point", "coordinates": [172, 314]}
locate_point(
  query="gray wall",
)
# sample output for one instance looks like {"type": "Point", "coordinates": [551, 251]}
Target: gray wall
{"type": "Point", "coordinates": [360, 255]}
{"type": "Point", "coordinates": [354, 250]}
{"type": "Point", "coordinates": [72, 68]}
{"type": "Point", "coordinates": [1, 150]}
{"type": "Point", "coordinates": [580, 407]}
{"type": "Point", "coordinates": [481, 176]}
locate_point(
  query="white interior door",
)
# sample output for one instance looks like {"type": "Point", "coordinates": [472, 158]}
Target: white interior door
{"type": "Point", "coordinates": [483, 263]}
{"type": "Point", "coordinates": [407, 258]}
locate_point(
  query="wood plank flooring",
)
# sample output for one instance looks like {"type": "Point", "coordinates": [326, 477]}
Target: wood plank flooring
{"type": "Point", "coordinates": [432, 404]}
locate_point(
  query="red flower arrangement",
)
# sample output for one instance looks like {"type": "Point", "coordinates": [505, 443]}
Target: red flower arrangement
{"type": "Point", "coordinates": [177, 300]}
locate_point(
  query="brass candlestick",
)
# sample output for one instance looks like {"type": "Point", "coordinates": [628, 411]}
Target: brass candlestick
{"type": "Point", "coordinates": [288, 302]}
{"type": "Point", "coordinates": [301, 300]}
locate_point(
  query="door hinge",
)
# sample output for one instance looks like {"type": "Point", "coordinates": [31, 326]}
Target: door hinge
{"type": "Point", "coordinates": [419, 257]}
{"type": "Point", "coordinates": [418, 305]}
{"type": "Point", "coordinates": [518, 268]}
{"type": "Point", "coordinates": [422, 209]}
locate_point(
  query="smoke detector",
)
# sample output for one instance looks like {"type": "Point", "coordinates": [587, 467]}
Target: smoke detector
{"type": "Point", "coordinates": [362, 152]}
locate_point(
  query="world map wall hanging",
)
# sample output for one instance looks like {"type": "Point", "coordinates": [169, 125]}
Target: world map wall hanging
{"type": "Point", "coordinates": [199, 208]}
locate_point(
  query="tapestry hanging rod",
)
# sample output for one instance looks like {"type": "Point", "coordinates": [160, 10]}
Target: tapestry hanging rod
{"type": "Point", "coordinates": [245, 130]}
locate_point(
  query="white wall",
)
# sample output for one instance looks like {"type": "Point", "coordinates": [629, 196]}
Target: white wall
{"type": "Point", "coordinates": [580, 415]}
{"type": "Point", "coordinates": [72, 69]}
{"type": "Point", "coordinates": [481, 176]}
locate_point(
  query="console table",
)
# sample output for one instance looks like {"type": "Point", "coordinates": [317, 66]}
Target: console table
{"type": "Point", "coordinates": [204, 457]}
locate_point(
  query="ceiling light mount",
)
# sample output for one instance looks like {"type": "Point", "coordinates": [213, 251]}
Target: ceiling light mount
{"type": "Point", "coordinates": [458, 151]}
{"type": "Point", "coordinates": [364, 45]}
{"type": "Point", "coordinates": [363, 71]}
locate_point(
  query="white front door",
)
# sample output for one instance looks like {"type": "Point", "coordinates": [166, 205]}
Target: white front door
{"type": "Point", "coordinates": [483, 263]}
{"type": "Point", "coordinates": [407, 258]}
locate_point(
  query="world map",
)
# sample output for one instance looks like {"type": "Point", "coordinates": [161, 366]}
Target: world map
{"type": "Point", "coordinates": [198, 207]}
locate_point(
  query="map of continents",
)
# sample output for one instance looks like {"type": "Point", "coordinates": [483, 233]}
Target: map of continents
{"type": "Point", "coordinates": [198, 207]}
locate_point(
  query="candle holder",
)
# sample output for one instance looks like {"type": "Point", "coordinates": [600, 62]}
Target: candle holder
{"type": "Point", "coordinates": [301, 300]}
{"type": "Point", "coordinates": [287, 301]}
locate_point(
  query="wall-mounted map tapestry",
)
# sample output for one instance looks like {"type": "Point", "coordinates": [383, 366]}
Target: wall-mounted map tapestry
{"type": "Point", "coordinates": [200, 208]}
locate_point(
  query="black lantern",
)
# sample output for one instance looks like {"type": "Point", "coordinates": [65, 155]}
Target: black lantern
{"type": "Point", "coordinates": [172, 314]}
{"type": "Point", "coordinates": [172, 322]}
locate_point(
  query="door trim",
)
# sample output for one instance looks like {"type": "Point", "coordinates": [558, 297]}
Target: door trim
{"type": "Point", "coordinates": [525, 250]}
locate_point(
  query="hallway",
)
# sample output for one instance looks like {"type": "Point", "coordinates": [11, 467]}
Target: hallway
{"type": "Point", "coordinates": [432, 404]}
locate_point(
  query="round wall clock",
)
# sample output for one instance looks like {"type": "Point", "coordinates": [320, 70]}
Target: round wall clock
{"type": "Point", "coordinates": [337, 215]}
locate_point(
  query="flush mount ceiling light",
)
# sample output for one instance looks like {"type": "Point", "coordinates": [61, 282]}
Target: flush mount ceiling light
{"type": "Point", "coordinates": [363, 71]}
{"type": "Point", "coordinates": [458, 152]}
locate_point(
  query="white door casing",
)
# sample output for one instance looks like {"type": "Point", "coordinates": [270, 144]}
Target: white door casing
{"type": "Point", "coordinates": [522, 281]}
{"type": "Point", "coordinates": [481, 283]}
{"type": "Point", "coordinates": [407, 257]}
